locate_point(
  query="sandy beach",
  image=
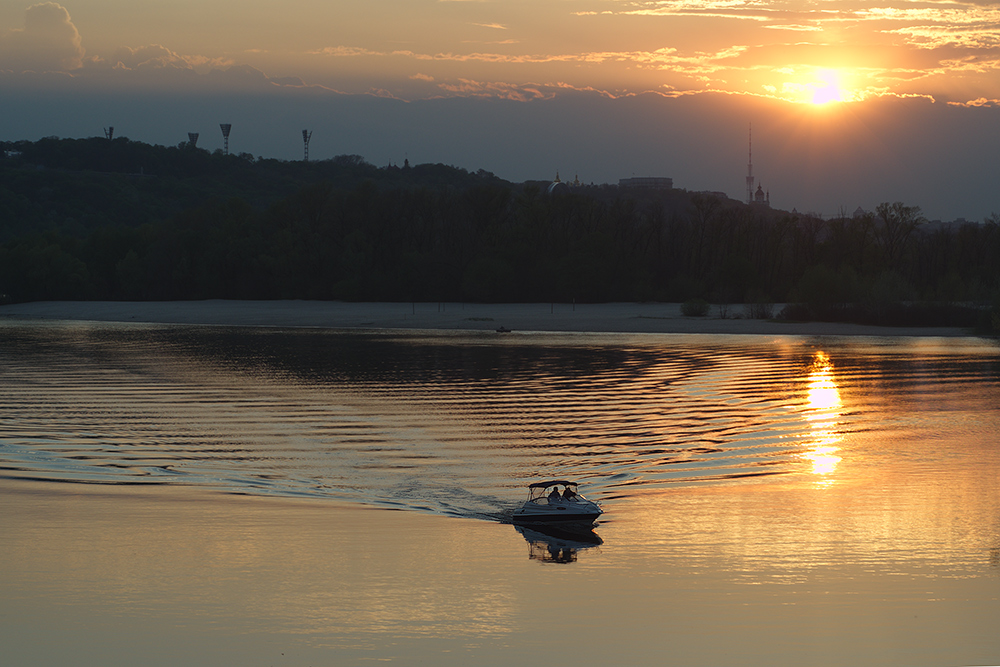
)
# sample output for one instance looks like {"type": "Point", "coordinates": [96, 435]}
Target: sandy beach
{"type": "Point", "coordinates": [558, 317]}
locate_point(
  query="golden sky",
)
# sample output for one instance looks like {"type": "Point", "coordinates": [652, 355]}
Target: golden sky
{"type": "Point", "coordinates": [798, 50]}
{"type": "Point", "coordinates": [852, 103]}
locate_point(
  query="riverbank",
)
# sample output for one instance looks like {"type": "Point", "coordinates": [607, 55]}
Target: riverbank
{"type": "Point", "coordinates": [558, 317]}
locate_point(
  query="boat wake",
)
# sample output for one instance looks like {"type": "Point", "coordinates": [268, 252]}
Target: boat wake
{"type": "Point", "coordinates": [449, 424]}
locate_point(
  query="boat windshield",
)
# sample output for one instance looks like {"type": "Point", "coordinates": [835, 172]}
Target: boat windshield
{"type": "Point", "coordinates": [553, 490]}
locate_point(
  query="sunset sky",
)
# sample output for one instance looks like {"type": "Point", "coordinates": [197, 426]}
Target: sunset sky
{"type": "Point", "coordinates": [852, 102]}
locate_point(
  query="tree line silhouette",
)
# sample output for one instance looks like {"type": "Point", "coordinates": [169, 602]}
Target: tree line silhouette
{"type": "Point", "coordinates": [100, 219]}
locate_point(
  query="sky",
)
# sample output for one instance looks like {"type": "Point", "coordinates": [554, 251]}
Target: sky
{"type": "Point", "coordinates": [851, 102]}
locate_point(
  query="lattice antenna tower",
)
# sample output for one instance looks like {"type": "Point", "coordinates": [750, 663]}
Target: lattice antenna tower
{"type": "Point", "coordinates": [750, 164]}
{"type": "Point", "coordinates": [109, 132]}
{"type": "Point", "coordinates": [225, 136]}
{"type": "Point", "coordinates": [193, 139]}
{"type": "Point", "coordinates": [306, 136]}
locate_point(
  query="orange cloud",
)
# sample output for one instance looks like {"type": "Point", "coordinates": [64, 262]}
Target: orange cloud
{"type": "Point", "coordinates": [468, 88]}
{"type": "Point", "coordinates": [156, 55]}
{"type": "Point", "coordinates": [980, 102]}
{"type": "Point", "coordinates": [948, 49]}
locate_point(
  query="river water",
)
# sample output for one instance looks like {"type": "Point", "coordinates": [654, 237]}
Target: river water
{"type": "Point", "coordinates": [769, 500]}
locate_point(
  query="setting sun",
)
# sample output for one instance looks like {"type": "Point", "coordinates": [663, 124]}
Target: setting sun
{"type": "Point", "coordinates": [815, 86]}
{"type": "Point", "coordinates": [828, 89]}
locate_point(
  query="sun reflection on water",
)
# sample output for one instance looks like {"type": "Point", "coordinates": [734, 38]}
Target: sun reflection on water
{"type": "Point", "coordinates": [824, 414]}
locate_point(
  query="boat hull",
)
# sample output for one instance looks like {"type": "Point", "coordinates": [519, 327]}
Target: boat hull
{"type": "Point", "coordinates": [555, 518]}
{"type": "Point", "coordinates": [557, 514]}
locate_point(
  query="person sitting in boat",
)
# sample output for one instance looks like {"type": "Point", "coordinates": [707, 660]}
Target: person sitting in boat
{"type": "Point", "coordinates": [569, 494]}
{"type": "Point", "coordinates": [555, 494]}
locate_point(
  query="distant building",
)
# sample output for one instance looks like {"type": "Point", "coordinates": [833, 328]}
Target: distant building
{"type": "Point", "coordinates": [557, 186]}
{"type": "Point", "coordinates": [760, 198]}
{"type": "Point", "coordinates": [647, 183]}
{"type": "Point", "coordinates": [560, 185]}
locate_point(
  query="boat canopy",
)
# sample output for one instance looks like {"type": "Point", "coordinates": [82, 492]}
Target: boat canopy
{"type": "Point", "coordinates": [555, 482]}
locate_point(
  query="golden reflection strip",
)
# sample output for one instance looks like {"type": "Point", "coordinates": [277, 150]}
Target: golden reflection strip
{"type": "Point", "coordinates": [824, 411]}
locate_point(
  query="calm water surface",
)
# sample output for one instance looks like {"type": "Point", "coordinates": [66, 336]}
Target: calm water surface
{"type": "Point", "coordinates": [768, 499]}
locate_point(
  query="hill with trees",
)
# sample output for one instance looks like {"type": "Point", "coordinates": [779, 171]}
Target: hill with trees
{"type": "Point", "coordinates": [100, 219]}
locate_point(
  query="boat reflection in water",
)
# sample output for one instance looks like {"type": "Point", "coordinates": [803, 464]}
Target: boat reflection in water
{"type": "Point", "coordinates": [557, 544]}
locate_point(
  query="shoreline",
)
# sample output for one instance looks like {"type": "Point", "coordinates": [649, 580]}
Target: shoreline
{"type": "Point", "coordinates": [535, 317]}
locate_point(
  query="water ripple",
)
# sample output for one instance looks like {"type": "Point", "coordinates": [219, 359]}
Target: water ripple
{"type": "Point", "coordinates": [454, 424]}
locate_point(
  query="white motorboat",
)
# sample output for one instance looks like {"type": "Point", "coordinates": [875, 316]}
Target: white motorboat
{"type": "Point", "coordinates": [556, 501]}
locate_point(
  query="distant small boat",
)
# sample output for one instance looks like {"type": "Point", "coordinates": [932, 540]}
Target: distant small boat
{"type": "Point", "coordinates": [546, 504]}
{"type": "Point", "coordinates": [503, 330]}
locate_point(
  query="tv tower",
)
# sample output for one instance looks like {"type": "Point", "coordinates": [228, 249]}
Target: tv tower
{"type": "Point", "coordinates": [225, 136]}
{"type": "Point", "coordinates": [109, 132]}
{"type": "Point", "coordinates": [306, 136]}
{"type": "Point", "coordinates": [193, 139]}
{"type": "Point", "coordinates": [750, 164]}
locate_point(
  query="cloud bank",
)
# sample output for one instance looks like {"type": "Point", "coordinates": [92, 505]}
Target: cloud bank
{"type": "Point", "coordinates": [48, 41]}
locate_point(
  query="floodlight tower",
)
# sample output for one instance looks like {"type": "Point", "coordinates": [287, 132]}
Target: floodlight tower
{"type": "Point", "coordinates": [750, 164]}
{"type": "Point", "coordinates": [306, 136]}
{"type": "Point", "coordinates": [225, 136]}
{"type": "Point", "coordinates": [193, 139]}
{"type": "Point", "coordinates": [109, 132]}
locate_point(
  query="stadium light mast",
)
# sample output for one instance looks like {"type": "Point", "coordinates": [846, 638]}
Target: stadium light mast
{"type": "Point", "coordinates": [306, 136]}
{"type": "Point", "coordinates": [225, 136]}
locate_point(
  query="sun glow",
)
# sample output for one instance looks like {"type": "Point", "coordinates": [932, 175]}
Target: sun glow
{"type": "Point", "coordinates": [828, 89]}
{"type": "Point", "coordinates": [818, 87]}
